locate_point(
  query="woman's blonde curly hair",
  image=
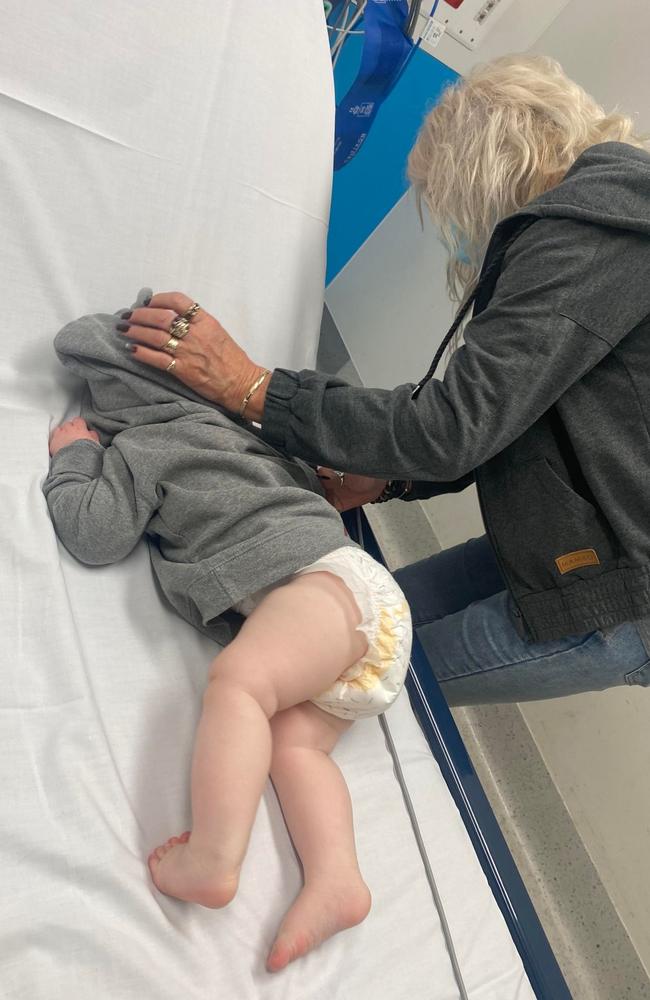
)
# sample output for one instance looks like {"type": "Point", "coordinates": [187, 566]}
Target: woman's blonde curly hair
{"type": "Point", "coordinates": [498, 138]}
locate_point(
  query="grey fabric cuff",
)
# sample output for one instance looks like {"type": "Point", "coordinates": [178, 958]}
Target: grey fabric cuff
{"type": "Point", "coordinates": [277, 407]}
{"type": "Point", "coordinates": [86, 457]}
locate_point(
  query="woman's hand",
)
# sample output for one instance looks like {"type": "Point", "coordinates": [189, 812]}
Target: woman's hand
{"type": "Point", "coordinates": [72, 430]}
{"type": "Point", "coordinates": [345, 490]}
{"type": "Point", "coordinates": [207, 358]}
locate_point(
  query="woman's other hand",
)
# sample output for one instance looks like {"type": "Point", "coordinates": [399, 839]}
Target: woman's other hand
{"type": "Point", "coordinates": [207, 358]}
{"type": "Point", "coordinates": [346, 490]}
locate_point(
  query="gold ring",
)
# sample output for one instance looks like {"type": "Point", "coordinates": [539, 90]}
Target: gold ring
{"type": "Point", "coordinates": [179, 328]}
{"type": "Point", "coordinates": [190, 313]}
{"type": "Point", "coordinates": [171, 345]}
{"type": "Point", "coordinates": [170, 367]}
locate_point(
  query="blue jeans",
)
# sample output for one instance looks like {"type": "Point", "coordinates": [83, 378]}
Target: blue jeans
{"type": "Point", "coordinates": [463, 617]}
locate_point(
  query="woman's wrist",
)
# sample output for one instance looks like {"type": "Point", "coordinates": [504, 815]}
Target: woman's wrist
{"type": "Point", "coordinates": [395, 489]}
{"type": "Point", "coordinates": [252, 394]}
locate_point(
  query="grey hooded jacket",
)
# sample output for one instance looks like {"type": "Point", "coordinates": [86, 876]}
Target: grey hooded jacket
{"type": "Point", "coordinates": [224, 513]}
{"type": "Point", "coordinates": [546, 406]}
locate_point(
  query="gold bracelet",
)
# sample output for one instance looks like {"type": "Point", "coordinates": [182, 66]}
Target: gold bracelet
{"type": "Point", "coordinates": [252, 389]}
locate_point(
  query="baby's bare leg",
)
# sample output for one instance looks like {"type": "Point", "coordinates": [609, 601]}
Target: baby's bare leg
{"type": "Point", "coordinates": [293, 646]}
{"type": "Point", "coordinates": [318, 812]}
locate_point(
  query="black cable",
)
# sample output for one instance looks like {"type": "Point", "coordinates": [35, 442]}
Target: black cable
{"type": "Point", "coordinates": [411, 21]}
{"type": "Point", "coordinates": [485, 277]}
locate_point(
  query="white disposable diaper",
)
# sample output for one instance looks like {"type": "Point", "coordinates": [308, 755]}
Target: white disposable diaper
{"type": "Point", "coordinates": [371, 684]}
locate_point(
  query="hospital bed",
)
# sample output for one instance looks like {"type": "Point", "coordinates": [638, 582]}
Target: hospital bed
{"type": "Point", "coordinates": [189, 146]}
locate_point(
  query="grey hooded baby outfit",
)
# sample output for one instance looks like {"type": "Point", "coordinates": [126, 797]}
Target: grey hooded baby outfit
{"type": "Point", "coordinates": [225, 514]}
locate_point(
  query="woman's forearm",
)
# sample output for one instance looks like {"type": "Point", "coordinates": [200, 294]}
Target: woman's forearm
{"type": "Point", "coordinates": [519, 357]}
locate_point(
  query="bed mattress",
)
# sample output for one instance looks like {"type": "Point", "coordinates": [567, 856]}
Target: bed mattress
{"type": "Point", "coordinates": [181, 146]}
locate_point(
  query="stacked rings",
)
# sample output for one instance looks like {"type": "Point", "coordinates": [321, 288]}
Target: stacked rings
{"type": "Point", "coordinates": [179, 329]}
{"type": "Point", "coordinates": [190, 313]}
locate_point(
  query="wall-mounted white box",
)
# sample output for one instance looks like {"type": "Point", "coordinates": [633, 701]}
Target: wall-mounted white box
{"type": "Point", "coordinates": [467, 21]}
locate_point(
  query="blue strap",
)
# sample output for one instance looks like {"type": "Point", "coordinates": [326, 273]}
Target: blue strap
{"type": "Point", "coordinates": [386, 51]}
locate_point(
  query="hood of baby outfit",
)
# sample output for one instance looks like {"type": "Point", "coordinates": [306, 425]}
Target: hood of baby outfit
{"type": "Point", "coordinates": [120, 391]}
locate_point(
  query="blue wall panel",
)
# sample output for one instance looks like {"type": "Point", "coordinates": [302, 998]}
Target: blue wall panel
{"type": "Point", "coordinates": [373, 182]}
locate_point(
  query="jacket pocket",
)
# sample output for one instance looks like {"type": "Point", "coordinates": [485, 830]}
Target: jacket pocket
{"type": "Point", "coordinates": [573, 538]}
{"type": "Point", "coordinates": [556, 489]}
{"type": "Point", "coordinates": [536, 518]}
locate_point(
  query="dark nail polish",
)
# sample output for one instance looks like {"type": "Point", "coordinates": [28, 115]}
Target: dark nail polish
{"type": "Point", "coordinates": [129, 347]}
{"type": "Point", "coordinates": [147, 301]}
{"type": "Point", "coordinates": [127, 315]}
{"type": "Point", "coordinates": [123, 327]}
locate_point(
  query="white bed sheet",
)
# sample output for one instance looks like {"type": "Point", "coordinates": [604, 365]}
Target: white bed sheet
{"type": "Point", "coordinates": [181, 146]}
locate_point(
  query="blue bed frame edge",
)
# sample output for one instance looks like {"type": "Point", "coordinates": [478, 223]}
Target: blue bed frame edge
{"type": "Point", "coordinates": [433, 715]}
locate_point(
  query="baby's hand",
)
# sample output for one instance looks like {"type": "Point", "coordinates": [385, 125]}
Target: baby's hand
{"type": "Point", "coordinates": [72, 430]}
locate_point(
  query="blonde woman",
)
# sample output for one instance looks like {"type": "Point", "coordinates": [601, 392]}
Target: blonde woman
{"type": "Point", "coordinates": [543, 202]}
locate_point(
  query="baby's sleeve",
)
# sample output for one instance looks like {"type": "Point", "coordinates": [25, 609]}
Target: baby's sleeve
{"type": "Point", "coordinates": [92, 499]}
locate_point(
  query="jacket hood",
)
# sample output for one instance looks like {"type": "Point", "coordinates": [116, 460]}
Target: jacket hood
{"type": "Point", "coordinates": [609, 184]}
{"type": "Point", "coordinates": [120, 391]}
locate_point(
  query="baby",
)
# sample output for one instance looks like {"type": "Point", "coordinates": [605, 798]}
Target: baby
{"type": "Point", "coordinates": [247, 549]}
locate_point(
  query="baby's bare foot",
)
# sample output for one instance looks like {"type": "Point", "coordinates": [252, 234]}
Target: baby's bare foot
{"type": "Point", "coordinates": [321, 910]}
{"type": "Point", "coordinates": [192, 875]}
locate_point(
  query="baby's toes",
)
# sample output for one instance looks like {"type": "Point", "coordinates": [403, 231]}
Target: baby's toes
{"type": "Point", "coordinates": [159, 852]}
{"type": "Point", "coordinates": [152, 862]}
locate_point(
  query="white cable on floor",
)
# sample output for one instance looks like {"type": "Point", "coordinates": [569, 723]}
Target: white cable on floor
{"type": "Point", "coordinates": [399, 774]}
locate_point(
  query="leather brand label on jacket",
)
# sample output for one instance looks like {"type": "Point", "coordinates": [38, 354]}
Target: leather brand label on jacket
{"type": "Point", "coordinates": [575, 560]}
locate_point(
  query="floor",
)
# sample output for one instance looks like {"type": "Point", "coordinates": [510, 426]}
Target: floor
{"type": "Point", "coordinates": [591, 944]}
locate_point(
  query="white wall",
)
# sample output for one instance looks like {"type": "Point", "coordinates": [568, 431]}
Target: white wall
{"type": "Point", "coordinates": [515, 31]}
{"type": "Point", "coordinates": [390, 307]}
{"type": "Point", "coordinates": [390, 302]}
{"type": "Point", "coordinates": [605, 45]}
